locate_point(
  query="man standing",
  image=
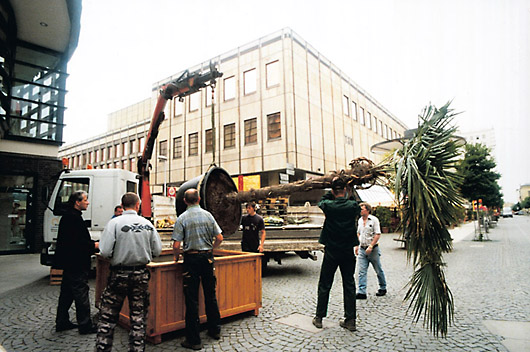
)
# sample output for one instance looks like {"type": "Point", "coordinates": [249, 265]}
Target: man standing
{"type": "Point", "coordinates": [338, 237]}
{"type": "Point", "coordinates": [118, 210]}
{"type": "Point", "coordinates": [369, 231]}
{"type": "Point", "coordinates": [130, 242]}
{"type": "Point", "coordinates": [253, 230]}
{"type": "Point", "coordinates": [197, 229]}
{"type": "Point", "coordinates": [74, 249]}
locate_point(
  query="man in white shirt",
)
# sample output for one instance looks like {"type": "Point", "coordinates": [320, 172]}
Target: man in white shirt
{"type": "Point", "coordinates": [369, 231]}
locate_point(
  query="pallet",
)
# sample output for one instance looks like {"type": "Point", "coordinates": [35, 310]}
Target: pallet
{"type": "Point", "coordinates": [56, 277]}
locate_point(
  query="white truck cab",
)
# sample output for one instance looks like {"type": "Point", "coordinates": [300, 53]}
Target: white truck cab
{"type": "Point", "coordinates": [105, 187]}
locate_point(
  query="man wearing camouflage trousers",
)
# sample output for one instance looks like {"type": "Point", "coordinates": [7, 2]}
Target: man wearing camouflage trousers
{"type": "Point", "coordinates": [130, 242]}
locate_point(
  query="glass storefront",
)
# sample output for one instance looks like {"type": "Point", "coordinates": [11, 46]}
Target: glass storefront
{"type": "Point", "coordinates": [16, 203]}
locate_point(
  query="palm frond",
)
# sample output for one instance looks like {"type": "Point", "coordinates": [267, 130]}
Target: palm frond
{"type": "Point", "coordinates": [427, 184]}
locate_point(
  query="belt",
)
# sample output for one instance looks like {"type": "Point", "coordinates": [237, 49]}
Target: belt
{"type": "Point", "coordinates": [128, 268]}
{"type": "Point", "coordinates": [364, 247]}
{"type": "Point", "coordinates": [193, 251]}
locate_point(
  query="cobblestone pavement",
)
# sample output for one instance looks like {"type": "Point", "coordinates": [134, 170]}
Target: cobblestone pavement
{"type": "Point", "coordinates": [489, 281]}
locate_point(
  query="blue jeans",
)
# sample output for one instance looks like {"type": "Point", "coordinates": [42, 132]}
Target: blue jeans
{"type": "Point", "coordinates": [364, 260]}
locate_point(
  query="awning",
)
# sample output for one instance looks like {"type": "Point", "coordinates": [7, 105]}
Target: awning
{"type": "Point", "coordinates": [377, 196]}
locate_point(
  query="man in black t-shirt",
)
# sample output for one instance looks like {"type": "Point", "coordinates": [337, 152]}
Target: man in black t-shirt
{"type": "Point", "coordinates": [253, 230]}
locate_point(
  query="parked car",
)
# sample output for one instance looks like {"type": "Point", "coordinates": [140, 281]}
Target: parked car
{"type": "Point", "coordinates": [507, 212]}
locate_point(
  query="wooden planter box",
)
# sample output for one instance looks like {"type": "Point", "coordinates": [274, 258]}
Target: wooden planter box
{"type": "Point", "coordinates": [238, 290]}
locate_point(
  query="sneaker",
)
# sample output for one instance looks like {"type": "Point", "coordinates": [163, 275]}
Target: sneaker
{"type": "Point", "coordinates": [360, 296]}
{"type": "Point", "coordinates": [381, 293]}
{"type": "Point", "coordinates": [348, 324]}
{"type": "Point", "coordinates": [186, 344]}
{"type": "Point", "coordinates": [86, 330]}
{"type": "Point", "coordinates": [64, 327]}
{"type": "Point", "coordinates": [214, 335]}
{"type": "Point", "coordinates": [317, 322]}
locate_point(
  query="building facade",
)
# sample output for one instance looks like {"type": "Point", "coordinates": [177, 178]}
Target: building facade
{"type": "Point", "coordinates": [280, 108]}
{"type": "Point", "coordinates": [37, 38]}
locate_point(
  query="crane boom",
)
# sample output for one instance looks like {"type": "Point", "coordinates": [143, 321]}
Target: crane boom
{"type": "Point", "coordinates": [188, 83]}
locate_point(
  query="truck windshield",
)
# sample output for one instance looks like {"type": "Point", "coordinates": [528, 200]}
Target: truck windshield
{"type": "Point", "coordinates": [69, 186]}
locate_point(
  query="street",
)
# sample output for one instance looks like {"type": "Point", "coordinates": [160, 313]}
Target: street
{"type": "Point", "coordinates": [489, 281]}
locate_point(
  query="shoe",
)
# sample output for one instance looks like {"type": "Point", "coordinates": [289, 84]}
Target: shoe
{"type": "Point", "coordinates": [317, 322]}
{"type": "Point", "coordinates": [381, 293]}
{"type": "Point", "coordinates": [86, 330]}
{"type": "Point", "coordinates": [186, 344]}
{"type": "Point", "coordinates": [360, 296]}
{"type": "Point", "coordinates": [348, 324]}
{"type": "Point", "coordinates": [64, 327]}
{"type": "Point", "coordinates": [214, 335]}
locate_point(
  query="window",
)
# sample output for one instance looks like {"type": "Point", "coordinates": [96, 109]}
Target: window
{"type": "Point", "coordinates": [374, 125]}
{"type": "Point", "coordinates": [249, 81]}
{"type": "Point", "coordinates": [141, 144]}
{"type": "Point", "coordinates": [346, 105]}
{"type": "Point", "coordinates": [131, 146]}
{"type": "Point", "coordinates": [177, 147]}
{"type": "Point", "coordinates": [273, 74]}
{"type": "Point", "coordinates": [386, 131]}
{"type": "Point", "coordinates": [162, 148]}
{"type": "Point", "coordinates": [251, 131]}
{"type": "Point", "coordinates": [208, 141]}
{"type": "Point", "coordinates": [131, 164]}
{"type": "Point", "coordinates": [89, 157]}
{"type": "Point", "coordinates": [274, 126]}
{"type": "Point", "coordinates": [230, 136]}
{"type": "Point", "coordinates": [381, 128]}
{"type": "Point", "coordinates": [69, 186]}
{"type": "Point", "coordinates": [124, 148]}
{"type": "Point", "coordinates": [193, 147]}
{"type": "Point", "coordinates": [116, 150]}
{"type": "Point", "coordinates": [362, 115]}
{"type": "Point", "coordinates": [368, 120]}
{"type": "Point", "coordinates": [229, 88]}
{"type": "Point", "coordinates": [195, 99]}
{"type": "Point", "coordinates": [178, 107]}
{"type": "Point", "coordinates": [109, 153]}
{"type": "Point", "coordinates": [354, 110]}
{"type": "Point", "coordinates": [102, 154]}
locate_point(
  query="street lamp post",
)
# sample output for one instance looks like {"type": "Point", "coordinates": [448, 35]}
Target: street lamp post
{"type": "Point", "coordinates": [164, 159]}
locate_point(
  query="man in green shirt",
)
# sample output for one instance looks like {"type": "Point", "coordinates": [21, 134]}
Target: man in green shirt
{"type": "Point", "coordinates": [339, 236]}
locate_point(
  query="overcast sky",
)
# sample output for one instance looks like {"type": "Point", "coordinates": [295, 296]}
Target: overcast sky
{"type": "Point", "coordinates": [405, 53]}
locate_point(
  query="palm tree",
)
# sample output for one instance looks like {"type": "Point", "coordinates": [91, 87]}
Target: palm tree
{"type": "Point", "coordinates": [427, 184]}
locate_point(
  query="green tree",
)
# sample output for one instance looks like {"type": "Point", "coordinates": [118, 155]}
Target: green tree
{"type": "Point", "coordinates": [427, 184]}
{"type": "Point", "coordinates": [526, 203]}
{"type": "Point", "coordinates": [479, 179]}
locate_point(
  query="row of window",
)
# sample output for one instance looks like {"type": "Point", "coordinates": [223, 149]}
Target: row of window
{"type": "Point", "coordinates": [132, 147]}
{"type": "Point", "coordinates": [250, 86]}
{"type": "Point", "coordinates": [110, 152]}
{"type": "Point", "coordinates": [365, 118]}
{"type": "Point", "coordinates": [274, 131]}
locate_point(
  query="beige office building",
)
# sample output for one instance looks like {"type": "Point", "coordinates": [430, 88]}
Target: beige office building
{"type": "Point", "coordinates": [279, 105]}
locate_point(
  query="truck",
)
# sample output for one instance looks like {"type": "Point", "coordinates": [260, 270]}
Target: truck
{"type": "Point", "coordinates": [104, 187]}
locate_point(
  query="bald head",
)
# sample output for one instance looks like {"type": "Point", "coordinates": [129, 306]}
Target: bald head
{"type": "Point", "coordinates": [191, 196]}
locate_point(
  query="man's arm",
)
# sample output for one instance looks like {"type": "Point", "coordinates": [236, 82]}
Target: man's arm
{"type": "Point", "coordinates": [262, 242]}
{"type": "Point", "coordinates": [156, 243]}
{"type": "Point", "coordinates": [106, 242]}
{"type": "Point", "coordinates": [176, 250]}
{"type": "Point", "coordinates": [218, 240]}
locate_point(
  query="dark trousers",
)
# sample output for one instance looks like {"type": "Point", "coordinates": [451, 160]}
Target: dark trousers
{"type": "Point", "coordinates": [132, 284]}
{"type": "Point", "coordinates": [200, 267]}
{"type": "Point", "coordinates": [74, 288]}
{"type": "Point", "coordinates": [345, 260]}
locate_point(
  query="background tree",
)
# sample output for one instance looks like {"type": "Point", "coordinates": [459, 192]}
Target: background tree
{"type": "Point", "coordinates": [526, 203]}
{"type": "Point", "coordinates": [479, 179]}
